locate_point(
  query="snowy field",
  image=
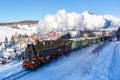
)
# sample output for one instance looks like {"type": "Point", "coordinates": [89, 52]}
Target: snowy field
{"type": "Point", "coordinates": [8, 32]}
{"type": "Point", "coordinates": [10, 68]}
{"type": "Point", "coordinates": [84, 64]}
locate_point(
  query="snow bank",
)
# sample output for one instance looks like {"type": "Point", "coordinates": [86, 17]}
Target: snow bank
{"type": "Point", "coordinates": [114, 68]}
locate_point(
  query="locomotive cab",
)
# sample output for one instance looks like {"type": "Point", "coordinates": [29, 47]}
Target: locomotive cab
{"type": "Point", "coordinates": [30, 60]}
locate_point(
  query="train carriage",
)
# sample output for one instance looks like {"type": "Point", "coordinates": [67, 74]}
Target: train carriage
{"type": "Point", "coordinates": [98, 40]}
{"type": "Point", "coordinates": [74, 45]}
{"type": "Point", "coordinates": [84, 42]}
{"type": "Point", "coordinates": [90, 41]}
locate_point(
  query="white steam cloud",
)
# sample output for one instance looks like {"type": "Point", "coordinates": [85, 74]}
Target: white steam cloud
{"type": "Point", "coordinates": [64, 21]}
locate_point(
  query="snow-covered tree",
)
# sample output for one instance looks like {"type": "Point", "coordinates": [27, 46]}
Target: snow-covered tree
{"type": "Point", "coordinates": [6, 39]}
{"type": "Point", "coordinates": [12, 41]}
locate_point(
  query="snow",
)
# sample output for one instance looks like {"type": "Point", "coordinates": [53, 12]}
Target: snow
{"type": "Point", "coordinates": [28, 27]}
{"type": "Point", "coordinates": [10, 68]}
{"type": "Point", "coordinates": [8, 32]}
{"type": "Point", "coordinates": [106, 65]}
{"type": "Point", "coordinates": [85, 64]}
{"type": "Point", "coordinates": [115, 66]}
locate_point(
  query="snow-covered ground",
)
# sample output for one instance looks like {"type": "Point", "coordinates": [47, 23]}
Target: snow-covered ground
{"type": "Point", "coordinates": [8, 32]}
{"type": "Point", "coordinates": [84, 64]}
{"type": "Point", "coordinates": [10, 68]}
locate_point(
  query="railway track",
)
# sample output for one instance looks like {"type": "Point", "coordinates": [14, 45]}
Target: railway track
{"type": "Point", "coordinates": [17, 75]}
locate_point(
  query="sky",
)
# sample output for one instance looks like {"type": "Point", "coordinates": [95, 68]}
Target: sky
{"type": "Point", "coordinates": [18, 10]}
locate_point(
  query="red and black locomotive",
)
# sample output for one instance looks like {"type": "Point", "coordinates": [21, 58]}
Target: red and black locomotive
{"type": "Point", "coordinates": [44, 51]}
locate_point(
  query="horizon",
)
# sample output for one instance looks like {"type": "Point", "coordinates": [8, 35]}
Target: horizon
{"type": "Point", "coordinates": [22, 10]}
{"type": "Point", "coordinates": [18, 21]}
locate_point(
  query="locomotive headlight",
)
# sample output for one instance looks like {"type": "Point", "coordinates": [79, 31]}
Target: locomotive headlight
{"type": "Point", "coordinates": [33, 62]}
{"type": "Point", "coordinates": [59, 49]}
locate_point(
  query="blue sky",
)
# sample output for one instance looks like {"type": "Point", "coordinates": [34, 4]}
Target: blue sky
{"type": "Point", "coordinates": [18, 10]}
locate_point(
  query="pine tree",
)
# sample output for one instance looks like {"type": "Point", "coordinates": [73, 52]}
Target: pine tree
{"type": "Point", "coordinates": [26, 36]}
{"type": "Point", "coordinates": [19, 36]}
{"type": "Point", "coordinates": [6, 39]}
{"type": "Point", "coordinates": [12, 40]}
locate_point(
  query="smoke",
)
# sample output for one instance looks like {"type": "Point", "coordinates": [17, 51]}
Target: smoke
{"type": "Point", "coordinates": [64, 21]}
{"type": "Point", "coordinates": [92, 21]}
{"type": "Point", "coordinates": [115, 22]}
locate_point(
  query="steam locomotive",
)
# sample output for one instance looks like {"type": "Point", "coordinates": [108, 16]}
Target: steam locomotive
{"type": "Point", "coordinates": [42, 52]}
